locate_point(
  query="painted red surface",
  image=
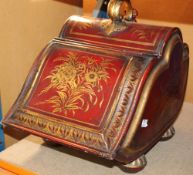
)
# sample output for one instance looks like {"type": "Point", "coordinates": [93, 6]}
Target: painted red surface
{"type": "Point", "coordinates": [135, 37]}
{"type": "Point", "coordinates": [95, 116]}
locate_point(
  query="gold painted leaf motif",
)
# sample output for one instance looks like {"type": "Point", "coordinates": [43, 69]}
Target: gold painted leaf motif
{"type": "Point", "coordinates": [77, 82]}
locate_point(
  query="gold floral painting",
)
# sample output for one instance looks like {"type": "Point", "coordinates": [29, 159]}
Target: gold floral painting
{"type": "Point", "coordinates": [77, 83]}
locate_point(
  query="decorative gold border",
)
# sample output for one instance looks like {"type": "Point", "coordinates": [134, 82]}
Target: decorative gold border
{"type": "Point", "coordinates": [104, 141]}
{"type": "Point", "coordinates": [123, 110]}
{"type": "Point", "coordinates": [60, 130]}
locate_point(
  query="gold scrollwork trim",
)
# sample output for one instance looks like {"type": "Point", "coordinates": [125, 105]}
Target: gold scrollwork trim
{"type": "Point", "coordinates": [59, 130]}
{"type": "Point", "coordinates": [129, 89]}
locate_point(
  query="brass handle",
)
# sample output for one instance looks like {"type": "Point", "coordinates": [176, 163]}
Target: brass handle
{"type": "Point", "coordinates": [119, 10]}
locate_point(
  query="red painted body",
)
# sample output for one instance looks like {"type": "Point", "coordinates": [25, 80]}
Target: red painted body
{"type": "Point", "coordinates": [85, 88]}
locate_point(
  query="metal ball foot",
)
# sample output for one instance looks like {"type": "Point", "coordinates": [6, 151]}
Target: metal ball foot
{"type": "Point", "coordinates": [168, 134]}
{"type": "Point", "coordinates": [135, 166]}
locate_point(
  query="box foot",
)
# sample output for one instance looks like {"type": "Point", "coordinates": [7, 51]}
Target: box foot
{"type": "Point", "coordinates": [135, 166]}
{"type": "Point", "coordinates": [168, 134]}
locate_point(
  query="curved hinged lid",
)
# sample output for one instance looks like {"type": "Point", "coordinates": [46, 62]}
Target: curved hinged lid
{"type": "Point", "coordinates": [80, 97]}
{"type": "Point", "coordinates": [127, 36]}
